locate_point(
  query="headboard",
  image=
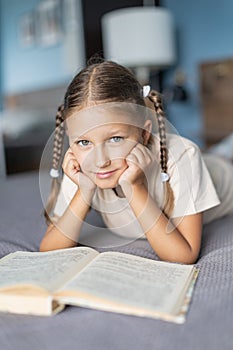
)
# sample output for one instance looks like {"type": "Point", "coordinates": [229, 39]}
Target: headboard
{"type": "Point", "coordinates": [48, 98]}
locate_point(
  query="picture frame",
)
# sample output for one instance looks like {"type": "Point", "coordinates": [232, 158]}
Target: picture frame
{"type": "Point", "coordinates": [27, 29]}
{"type": "Point", "coordinates": [49, 22]}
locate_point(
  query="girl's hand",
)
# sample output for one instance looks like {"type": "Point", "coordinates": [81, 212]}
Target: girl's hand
{"type": "Point", "coordinates": [139, 162]}
{"type": "Point", "coordinates": [72, 169]}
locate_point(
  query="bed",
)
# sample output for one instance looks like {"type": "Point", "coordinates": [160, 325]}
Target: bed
{"type": "Point", "coordinates": [209, 319]}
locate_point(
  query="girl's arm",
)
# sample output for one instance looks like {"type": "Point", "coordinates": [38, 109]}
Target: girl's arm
{"type": "Point", "coordinates": [177, 240]}
{"type": "Point", "coordinates": [65, 233]}
{"type": "Point", "coordinates": [173, 240]}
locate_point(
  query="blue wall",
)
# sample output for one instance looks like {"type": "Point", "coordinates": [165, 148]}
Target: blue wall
{"type": "Point", "coordinates": [25, 69]}
{"type": "Point", "coordinates": [204, 33]}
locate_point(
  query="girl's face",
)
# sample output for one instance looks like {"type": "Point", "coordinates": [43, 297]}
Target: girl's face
{"type": "Point", "coordinates": [101, 150]}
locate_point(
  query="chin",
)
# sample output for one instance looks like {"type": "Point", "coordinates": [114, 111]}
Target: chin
{"type": "Point", "coordinates": [105, 186]}
{"type": "Point", "coordinates": [107, 183]}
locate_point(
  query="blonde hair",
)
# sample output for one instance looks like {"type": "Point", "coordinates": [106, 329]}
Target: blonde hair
{"type": "Point", "coordinates": [156, 99]}
{"type": "Point", "coordinates": [106, 81]}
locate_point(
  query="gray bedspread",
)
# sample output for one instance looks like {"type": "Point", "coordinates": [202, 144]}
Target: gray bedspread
{"type": "Point", "coordinates": [209, 323]}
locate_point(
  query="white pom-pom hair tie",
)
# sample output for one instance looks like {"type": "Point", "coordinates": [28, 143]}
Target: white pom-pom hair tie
{"type": "Point", "coordinates": [54, 173]}
{"type": "Point", "coordinates": [164, 177]}
{"type": "Point", "coordinates": [146, 90]}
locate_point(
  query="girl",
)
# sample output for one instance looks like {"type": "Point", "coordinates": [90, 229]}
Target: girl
{"type": "Point", "coordinates": [141, 181]}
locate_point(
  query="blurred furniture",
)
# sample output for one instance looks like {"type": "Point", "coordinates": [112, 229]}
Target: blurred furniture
{"type": "Point", "coordinates": [2, 155]}
{"type": "Point", "coordinates": [216, 78]}
{"type": "Point", "coordinates": [28, 121]}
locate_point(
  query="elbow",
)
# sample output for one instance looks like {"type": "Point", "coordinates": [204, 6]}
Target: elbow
{"type": "Point", "coordinates": [46, 246]}
{"type": "Point", "coordinates": [191, 259]}
{"type": "Point", "coordinates": [49, 243]}
{"type": "Point", "coordinates": [188, 258]}
{"type": "Point", "coordinates": [184, 255]}
{"type": "Point", "coordinates": [186, 261]}
{"type": "Point", "coordinates": [43, 247]}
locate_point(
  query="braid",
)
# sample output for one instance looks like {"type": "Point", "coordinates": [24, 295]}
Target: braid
{"type": "Point", "coordinates": [57, 151]}
{"type": "Point", "coordinates": [58, 138]}
{"type": "Point", "coordinates": [162, 130]}
{"type": "Point", "coordinates": [169, 195]}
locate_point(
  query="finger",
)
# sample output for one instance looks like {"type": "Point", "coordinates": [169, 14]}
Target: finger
{"type": "Point", "coordinates": [69, 156]}
{"type": "Point", "coordinates": [69, 151]}
{"type": "Point", "coordinates": [66, 157]}
{"type": "Point", "coordinates": [132, 158]}
{"type": "Point", "coordinates": [67, 161]}
{"type": "Point", "coordinates": [142, 153]}
{"type": "Point", "coordinates": [145, 150]}
{"type": "Point", "coordinates": [138, 155]}
{"type": "Point", "coordinates": [71, 165]}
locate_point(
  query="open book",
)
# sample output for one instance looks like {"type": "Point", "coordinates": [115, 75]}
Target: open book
{"type": "Point", "coordinates": [42, 283]}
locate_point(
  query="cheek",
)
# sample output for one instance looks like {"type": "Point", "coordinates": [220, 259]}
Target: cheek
{"type": "Point", "coordinates": [80, 156]}
{"type": "Point", "coordinates": [120, 163]}
{"type": "Point", "coordinates": [121, 152]}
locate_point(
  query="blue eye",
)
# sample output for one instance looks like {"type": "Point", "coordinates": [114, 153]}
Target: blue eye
{"type": "Point", "coordinates": [83, 143]}
{"type": "Point", "coordinates": [116, 139]}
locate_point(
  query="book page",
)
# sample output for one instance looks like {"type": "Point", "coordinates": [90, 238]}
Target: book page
{"type": "Point", "coordinates": [48, 270]}
{"type": "Point", "coordinates": [133, 280]}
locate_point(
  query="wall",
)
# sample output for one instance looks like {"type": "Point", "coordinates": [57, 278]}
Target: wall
{"type": "Point", "coordinates": [30, 69]}
{"type": "Point", "coordinates": [25, 69]}
{"type": "Point", "coordinates": [204, 32]}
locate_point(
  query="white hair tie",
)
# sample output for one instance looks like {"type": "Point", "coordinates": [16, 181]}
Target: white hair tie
{"type": "Point", "coordinates": [164, 177]}
{"type": "Point", "coordinates": [146, 90]}
{"type": "Point", "coordinates": [54, 173]}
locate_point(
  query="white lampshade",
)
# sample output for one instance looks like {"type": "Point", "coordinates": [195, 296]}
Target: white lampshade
{"type": "Point", "coordinates": [139, 37]}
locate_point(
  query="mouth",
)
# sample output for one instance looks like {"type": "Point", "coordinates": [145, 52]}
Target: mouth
{"type": "Point", "coordinates": [105, 174]}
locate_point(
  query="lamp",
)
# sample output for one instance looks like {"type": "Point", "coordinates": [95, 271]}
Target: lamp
{"type": "Point", "coordinates": [139, 37]}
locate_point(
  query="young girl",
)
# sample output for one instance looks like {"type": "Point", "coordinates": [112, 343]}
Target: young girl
{"type": "Point", "coordinates": [155, 185]}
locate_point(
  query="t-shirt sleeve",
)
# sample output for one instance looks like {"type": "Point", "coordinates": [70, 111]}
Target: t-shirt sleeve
{"type": "Point", "coordinates": [190, 180]}
{"type": "Point", "coordinates": [66, 193]}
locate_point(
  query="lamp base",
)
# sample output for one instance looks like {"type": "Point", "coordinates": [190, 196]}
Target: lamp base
{"type": "Point", "coordinates": [142, 75]}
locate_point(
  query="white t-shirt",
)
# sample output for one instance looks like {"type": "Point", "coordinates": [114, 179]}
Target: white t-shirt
{"type": "Point", "coordinates": [190, 181]}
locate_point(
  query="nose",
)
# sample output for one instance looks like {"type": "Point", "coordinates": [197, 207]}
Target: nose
{"type": "Point", "coordinates": [102, 158]}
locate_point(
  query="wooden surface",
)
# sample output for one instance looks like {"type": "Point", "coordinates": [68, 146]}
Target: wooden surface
{"type": "Point", "coordinates": [216, 80]}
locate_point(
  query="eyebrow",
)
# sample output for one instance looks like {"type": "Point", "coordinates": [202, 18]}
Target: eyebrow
{"type": "Point", "coordinates": [78, 137]}
{"type": "Point", "coordinates": [81, 137]}
{"type": "Point", "coordinates": [115, 131]}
